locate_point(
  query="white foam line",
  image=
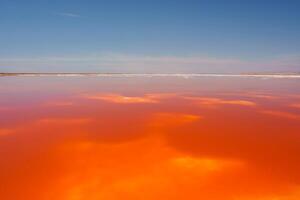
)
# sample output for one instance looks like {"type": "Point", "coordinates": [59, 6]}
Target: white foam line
{"type": "Point", "coordinates": [152, 75]}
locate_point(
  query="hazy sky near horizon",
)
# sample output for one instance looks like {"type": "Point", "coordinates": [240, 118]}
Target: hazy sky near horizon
{"type": "Point", "coordinates": [185, 36]}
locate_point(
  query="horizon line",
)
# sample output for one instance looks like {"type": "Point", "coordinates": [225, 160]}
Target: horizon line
{"type": "Point", "coordinates": [185, 75]}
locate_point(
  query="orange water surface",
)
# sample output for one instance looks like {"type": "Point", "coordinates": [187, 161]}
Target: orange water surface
{"type": "Point", "coordinates": [142, 138]}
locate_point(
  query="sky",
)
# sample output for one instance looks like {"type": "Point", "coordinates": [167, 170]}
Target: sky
{"type": "Point", "coordinates": [139, 36]}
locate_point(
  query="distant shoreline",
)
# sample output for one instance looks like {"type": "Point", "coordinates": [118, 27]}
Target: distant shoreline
{"type": "Point", "coordinates": [185, 75]}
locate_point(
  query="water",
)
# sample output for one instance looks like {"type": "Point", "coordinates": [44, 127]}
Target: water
{"type": "Point", "coordinates": [149, 137]}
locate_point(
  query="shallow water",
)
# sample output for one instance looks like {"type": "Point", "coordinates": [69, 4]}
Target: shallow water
{"type": "Point", "coordinates": [91, 138]}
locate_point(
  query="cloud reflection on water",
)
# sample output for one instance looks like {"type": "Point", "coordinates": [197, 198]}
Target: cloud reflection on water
{"type": "Point", "coordinates": [151, 146]}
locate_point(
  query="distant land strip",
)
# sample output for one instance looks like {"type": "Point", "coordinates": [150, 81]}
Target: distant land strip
{"type": "Point", "coordinates": [184, 75]}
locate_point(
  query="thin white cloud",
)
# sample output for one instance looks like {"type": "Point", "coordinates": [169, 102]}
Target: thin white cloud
{"type": "Point", "coordinates": [68, 14]}
{"type": "Point", "coordinates": [128, 63]}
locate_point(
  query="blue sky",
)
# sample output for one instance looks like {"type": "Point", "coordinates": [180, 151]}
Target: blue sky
{"type": "Point", "coordinates": [150, 36]}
